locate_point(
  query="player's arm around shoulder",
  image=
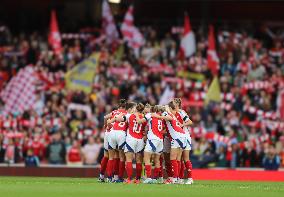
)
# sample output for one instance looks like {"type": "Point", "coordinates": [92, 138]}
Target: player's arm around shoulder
{"type": "Point", "coordinates": [120, 118]}
{"type": "Point", "coordinates": [164, 116]}
{"type": "Point", "coordinates": [140, 120]}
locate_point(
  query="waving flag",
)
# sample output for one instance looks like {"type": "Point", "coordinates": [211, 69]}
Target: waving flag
{"type": "Point", "coordinates": [214, 92]}
{"type": "Point", "coordinates": [130, 33]}
{"type": "Point", "coordinates": [167, 96]}
{"type": "Point", "coordinates": [188, 45]}
{"type": "Point", "coordinates": [81, 77]}
{"type": "Point", "coordinates": [54, 38]}
{"type": "Point", "coordinates": [19, 94]}
{"type": "Point", "coordinates": [108, 24]}
{"type": "Point", "coordinates": [212, 58]}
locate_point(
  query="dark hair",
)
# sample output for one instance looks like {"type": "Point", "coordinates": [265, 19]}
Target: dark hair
{"type": "Point", "coordinates": [172, 105]}
{"type": "Point", "coordinates": [178, 101]}
{"type": "Point", "coordinates": [130, 105]}
{"type": "Point", "coordinates": [140, 107]}
{"type": "Point", "coordinates": [122, 103]}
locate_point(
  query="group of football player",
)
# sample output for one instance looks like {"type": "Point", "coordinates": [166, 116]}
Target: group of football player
{"type": "Point", "coordinates": [154, 135]}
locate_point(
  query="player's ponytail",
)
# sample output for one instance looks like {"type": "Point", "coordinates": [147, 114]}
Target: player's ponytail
{"type": "Point", "coordinates": [122, 103]}
{"type": "Point", "coordinates": [148, 106]}
{"type": "Point", "coordinates": [172, 105]}
{"type": "Point", "coordinates": [140, 107]}
{"type": "Point", "coordinates": [162, 108]}
{"type": "Point", "coordinates": [178, 102]}
{"type": "Point", "coordinates": [130, 105]}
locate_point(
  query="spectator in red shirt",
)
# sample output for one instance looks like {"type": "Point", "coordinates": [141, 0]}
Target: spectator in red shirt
{"type": "Point", "coordinates": [74, 155]}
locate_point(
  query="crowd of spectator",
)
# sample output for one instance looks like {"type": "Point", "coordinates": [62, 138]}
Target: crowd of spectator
{"type": "Point", "coordinates": [68, 126]}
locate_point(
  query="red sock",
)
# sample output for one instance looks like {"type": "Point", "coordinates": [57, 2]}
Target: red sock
{"type": "Point", "coordinates": [138, 170]}
{"type": "Point", "coordinates": [148, 170]}
{"type": "Point", "coordinates": [156, 173]}
{"type": "Point", "coordinates": [178, 162]}
{"type": "Point", "coordinates": [181, 170]}
{"type": "Point", "coordinates": [103, 165]}
{"type": "Point", "coordinates": [188, 167]}
{"type": "Point", "coordinates": [116, 166]}
{"type": "Point", "coordinates": [129, 169]}
{"type": "Point", "coordinates": [161, 173]}
{"type": "Point", "coordinates": [121, 169]}
{"type": "Point", "coordinates": [169, 169]}
{"type": "Point", "coordinates": [174, 165]}
{"type": "Point", "coordinates": [110, 168]}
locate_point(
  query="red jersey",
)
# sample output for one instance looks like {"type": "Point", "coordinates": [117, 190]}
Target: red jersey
{"type": "Point", "coordinates": [179, 118]}
{"type": "Point", "coordinates": [182, 117]}
{"type": "Point", "coordinates": [174, 127]}
{"type": "Point", "coordinates": [156, 127]}
{"type": "Point", "coordinates": [74, 155]}
{"type": "Point", "coordinates": [134, 129]}
{"type": "Point", "coordinates": [119, 126]}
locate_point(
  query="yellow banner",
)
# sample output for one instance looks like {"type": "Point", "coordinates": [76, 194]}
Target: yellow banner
{"type": "Point", "coordinates": [82, 75]}
{"type": "Point", "coordinates": [191, 75]}
{"type": "Point", "coordinates": [214, 92]}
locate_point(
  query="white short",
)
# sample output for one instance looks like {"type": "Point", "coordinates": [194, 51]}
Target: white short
{"type": "Point", "coordinates": [154, 146]}
{"type": "Point", "coordinates": [179, 143]}
{"type": "Point", "coordinates": [188, 143]}
{"type": "Point", "coordinates": [167, 145]}
{"type": "Point", "coordinates": [106, 141]}
{"type": "Point", "coordinates": [116, 139]}
{"type": "Point", "coordinates": [134, 145]}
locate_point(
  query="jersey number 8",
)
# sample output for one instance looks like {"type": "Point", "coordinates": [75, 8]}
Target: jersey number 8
{"type": "Point", "coordinates": [121, 124]}
{"type": "Point", "coordinates": [160, 125]}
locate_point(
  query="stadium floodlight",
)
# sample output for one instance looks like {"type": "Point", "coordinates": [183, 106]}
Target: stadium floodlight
{"type": "Point", "coordinates": [114, 1]}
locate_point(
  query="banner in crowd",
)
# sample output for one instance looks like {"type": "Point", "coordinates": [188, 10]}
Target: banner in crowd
{"type": "Point", "coordinates": [54, 38]}
{"type": "Point", "coordinates": [212, 58]}
{"type": "Point", "coordinates": [19, 94]}
{"type": "Point", "coordinates": [82, 75]}
{"type": "Point", "coordinates": [191, 75]}
{"type": "Point", "coordinates": [131, 34]}
{"type": "Point", "coordinates": [214, 92]}
{"type": "Point", "coordinates": [167, 96]}
{"type": "Point", "coordinates": [108, 24]}
{"type": "Point", "coordinates": [188, 44]}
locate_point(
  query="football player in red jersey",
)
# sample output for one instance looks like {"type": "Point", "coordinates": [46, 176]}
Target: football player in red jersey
{"type": "Point", "coordinates": [114, 160]}
{"type": "Point", "coordinates": [185, 121]}
{"type": "Point", "coordinates": [178, 138]}
{"type": "Point", "coordinates": [134, 141]}
{"type": "Point", "coordinates": [154, 144]}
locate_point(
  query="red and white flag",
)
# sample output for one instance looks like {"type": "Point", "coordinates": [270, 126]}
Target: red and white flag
{"type": "Point", "coordinates": [108, 25]}
{"type": "Point", "coordinates": [212, 58]}
{"type": "Point", "coordinates": [19, 94]}
{"type": "Point", "coordinates": [54, 38]}
{"type": "Point", "coordinates": [188, 44]}
{"type": "Point", "coordinates": [167, 96]}
{"type": "Point", "coordinates": [130, 33]}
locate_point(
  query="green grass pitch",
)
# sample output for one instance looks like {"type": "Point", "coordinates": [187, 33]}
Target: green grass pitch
{"type": "Point", "coordinates": [81, 187]}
